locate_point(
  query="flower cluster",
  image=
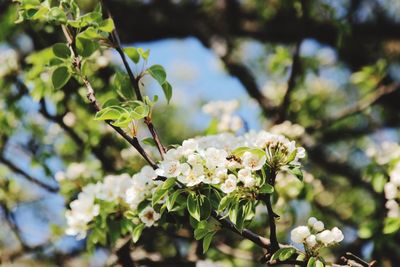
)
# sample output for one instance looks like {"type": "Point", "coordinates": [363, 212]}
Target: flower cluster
{"type": "Point", "coordinates": [288, 129]}
{"type": "Point", "coordinates": [9, 62]}
{"type": "Point", "coordinates": [228, 161]}
{"type": "Point", "coordinates": [223, 112]}
{"type": "Point", "coordinates": [118, 189]}
{"type": "Point", "coordinates": [392, 192]}
{"type": "Point", "coordinates": [314, 236]}
{"type": "Point", "coordinates": [388, 155]}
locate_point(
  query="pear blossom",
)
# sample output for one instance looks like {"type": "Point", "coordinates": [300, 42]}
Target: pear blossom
{"type": "Point", "coordinates": [326, 237]}
{"type": "Point", "coordinates": [299, 234]}
{"type": "Point", "coordinates": [229, 185]}
{"type": "Point", "coordinates": [253, 161]}
{"type": "Point", "coordinates": [148, 216]}
{"type": "Point", "coordinates": [191, 176]}
{"type": "Point", "coordinates": [169, 168]}
{"type": "Point", "coordinates": [314, 237]}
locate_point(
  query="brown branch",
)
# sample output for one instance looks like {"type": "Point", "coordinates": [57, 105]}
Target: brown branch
{"type": "Point", "coordinates": [135, 83]}
{"type": "Point", "coordinates": [27, 176]}
{"type": "Point", "coordinates": [295, 71]}
{"type": "Point", "coordinates": [96, 105]}
{"type": "Point", "coordinates": [359, 107]}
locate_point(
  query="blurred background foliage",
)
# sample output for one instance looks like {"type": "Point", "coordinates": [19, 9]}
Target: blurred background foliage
{"type": "Point", "coordinates": [339, 59]}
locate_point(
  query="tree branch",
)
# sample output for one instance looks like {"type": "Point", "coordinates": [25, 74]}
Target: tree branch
{"type": "Point", "coordinates": [30, 178]}
{"type": "Point", "coordinates": [96, 105]}
{"type": "Point", "coordinates": [359, 107]}
{"type": "Point", "coordinates": [295, 71]}
{"type": "Point", "coordinates": [135, 83]}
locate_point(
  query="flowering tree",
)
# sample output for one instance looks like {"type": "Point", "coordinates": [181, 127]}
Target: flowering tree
{"type": "Point", "coordinates": [229, 190]}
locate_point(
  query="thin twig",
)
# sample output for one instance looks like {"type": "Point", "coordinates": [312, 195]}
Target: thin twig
{"type": "Point", "coordinates": [359, 107]}
{"type": "Point", "coordinates": [135, 83]}
{"type": "Point", "coordinates": [92, 99]}
{"type": "Point", "coordinates": [29, 177]}
{"type": "Point", "coordinates": [295, 71]}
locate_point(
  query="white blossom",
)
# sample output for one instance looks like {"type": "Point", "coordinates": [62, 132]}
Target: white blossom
{"type": "Point", "coordinates": [318, 226]}
{"type": "Point", "coordinates": [229, 185]}
{"type": "Point", "coordinates": [311, 241]}
{"type": "Point", "coordinates": [326, 237]}
{"type": "Point", "coordinates": [299, 234]}
{"type": "Point", "coordinates": [253, 161]}
{"type": "Point", "coordinates": [148, 216]}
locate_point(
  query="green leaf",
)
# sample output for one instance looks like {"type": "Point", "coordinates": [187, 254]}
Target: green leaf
{"type": "Point", "coordinates": [296, 171]}
{"type": "Point", "coordinates": [137, 232]}
{"type": "Point", "coordinates": [172, 199]}
{"type": "Point", "coordinates": [149, 141]}
{"type": "Point", "coordinates": [144, 54]}
{"type": "Point", "coordinates": [123, 86]}
{"type": "Point", "coordinates": [199, 233]}
{"type": "Point", "coordinates": [205, 208]}
{"type": "Point", "coordinates": [193, 206]}
{"type": "Point", "coordinates": [267, 189]}
{"type": "Point", "coordinates": [57, 14]}
{"type": "Point", "coordinates": [167, 89]}
{"type": "Point", "coordinates": [107, 25]}
{"type": "Point", "coordinates": [286, 253]}
{"type": "Point", "coordinates": [311, 262]}
{"type": "Point", "coordinates": [41, 13]}
{"type": "Point", "coordinates": [319, 263]}
{"type": "Point", "coordinates": [140, 112]}
{"type": "Point", "coordinates": [132, 54]}
{"type": "Point", "coordinates": [85, 47]}
{"type": "Point", "coordinates": [158, 73]}
{"type": "Point", "coordinates": [391, 226]}
{"type": "Point", "coordinates": [60, 77]}
{"type": "Point", "coordinates": [207, 241]}
{"type": "Point", "coordinates": [158, 195]}
{"type": "Point", "coordinates": [170, 182]}
{"type": "Point", "coordinates": [241, 150]}
{"type": "Point", "coordinates": [61, 50]}
{"type": "Point", "coordinates": [224, 203]}
{"type": "Point", "coordinates": [109, 113]}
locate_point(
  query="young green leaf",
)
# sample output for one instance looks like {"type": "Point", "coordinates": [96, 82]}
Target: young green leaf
{"type": "Point", "coordinates": [149, 141]}
{"type": "Point", "coordinates": [167, 89]}
{"type": "Point", "coordinates": [158, 195]}
{"type": "Point", "coordinates": [172, 199]}
{"type": "Point", "coordinates": [170, 182]}
{"type": "Point", "coordinates": [60, 77]}
{"type": "Point", "coordinates": [123, 85]}
{"type": "Point", "coordinates": [85, 47]}
{"type": "Point", "coordinates": [207, 241]}
{"type": "Point", "coordinates": [311, 262]}
{"type": "Point", "coordinates": [144, 54]}
{"type": "Point", "coordinates": [106, 25]}
{"type": "Point", "coordinates": [132, 54]}
{"type": "Point", "coordinates": [61, 50]}
{"type": "Point", "coordinates": [56, 14]}
{"type": "Point", "coordinates": [199, 233]}
{"type": "Point", "coordinates": [266, 189]}
{"type": "Point", "coordinates": [205, 209]}
{"type": "Point", "coordinates": [297, 172]}
{"type": "Point", "coordinates": [137, 232]}
{"type": "Point", "coordinates": [193, 206]}
{"type": "Point", "coordinates": [286, 253]}
{"type": "Point", "coordinates": [109, 113]}
{"type": "Point", "coordinates": [392, 225]}
{"type": "Point", "coordinates": [123, 121]}
{"type": "Point", "coordinates": [158, 73]}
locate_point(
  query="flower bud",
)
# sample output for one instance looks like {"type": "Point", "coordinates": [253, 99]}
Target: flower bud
{"type": "Point", "coordinates": [299, 234]}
